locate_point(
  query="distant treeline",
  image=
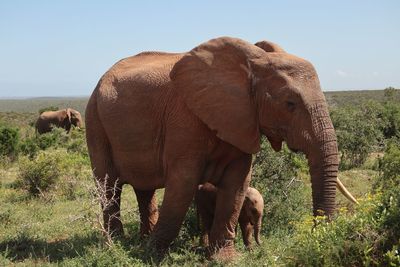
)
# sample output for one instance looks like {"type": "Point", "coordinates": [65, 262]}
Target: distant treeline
{"type": "Point", "coordinates": [32, 105]}
{"type": "Point", "coordinates": [343, 98]}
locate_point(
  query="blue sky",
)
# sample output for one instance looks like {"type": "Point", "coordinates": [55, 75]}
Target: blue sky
{"type": "Point", "coordinates": [61, 48]}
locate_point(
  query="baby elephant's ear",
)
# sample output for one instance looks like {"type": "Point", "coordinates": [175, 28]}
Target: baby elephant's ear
{"type": "Point", "coordinates": [214, 80]}
{"type": "Point", "coordinates": [269, 47]}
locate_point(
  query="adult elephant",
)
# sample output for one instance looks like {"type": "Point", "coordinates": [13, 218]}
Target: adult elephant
{"type": "Point", "coordinates": [62, 118]}
{"type": "Point", "coordinates": [177, 120]}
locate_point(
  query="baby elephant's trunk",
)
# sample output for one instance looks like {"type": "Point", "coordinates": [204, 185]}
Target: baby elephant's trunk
{"type": "Point", "coordinates": [257, 229]}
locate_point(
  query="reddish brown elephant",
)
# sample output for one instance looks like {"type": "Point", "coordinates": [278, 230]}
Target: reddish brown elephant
{"type": "Point", "coordinates": [249, 219]}
{"type": "Point", "coordinates": [176, 120]}
{"type": "Point", "coordinates": [62, 118]}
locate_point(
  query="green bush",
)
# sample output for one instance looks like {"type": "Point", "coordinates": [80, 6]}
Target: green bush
{"type": "Point", "coordinates": [358, 132]}
{"type": "Point", "coordinates": [390, 115]}
{"type": "Point", "coordinates": [54, 172]}
{"type": "Point", "coordinates": [9, 139]}
{"type": "Point", "coordinates": [77, 142]}
{"type": "Point", "coordinates": [56, 138]}
{"type": "Point", "coordinates": [346, 241]}
{"type": "Point", "coordinates": [29, 147]}
{"type": "Point", "coordinates": [287, 198]}
{"type": "Point", "coordinates": [388, 184]}
{"type": "Point", "coordinates": [368, 237]}
{"type": "Point", "coordinates": [39, 175]}
{"type": "Point", "coordinates": [389, 167]}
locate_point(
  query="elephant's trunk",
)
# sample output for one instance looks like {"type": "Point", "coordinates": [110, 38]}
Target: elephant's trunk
{"type": "Point", "coordinates": [257, 229]}
{"type": "Point", "coordinates": [323, 162]}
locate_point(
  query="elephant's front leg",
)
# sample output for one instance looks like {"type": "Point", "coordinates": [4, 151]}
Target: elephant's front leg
{"type": "Point", "coordinates": [182, 179]}
{"type": "Point", "coordinates": [231, 193]}
{"type": "Point", "coordinates": [148, 210]}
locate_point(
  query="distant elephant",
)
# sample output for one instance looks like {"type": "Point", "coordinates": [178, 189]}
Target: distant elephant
{"type": "Point", "coordinates": [62, 118]}
{"type": "Point", "coordinates": [249, 219]}
{"type": "Point", "coordinates": [177, 120]}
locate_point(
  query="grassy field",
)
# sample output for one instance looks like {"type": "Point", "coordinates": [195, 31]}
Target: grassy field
{"type": "Point", "coordinates": [60, 226]}
{"type": "Point", "coordinates": [57, 230]}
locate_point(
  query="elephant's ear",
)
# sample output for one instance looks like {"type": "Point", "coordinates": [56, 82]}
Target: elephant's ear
{"type": "Point", "coordinates": [214, 80]}
{"type": "Point", "coordinates": [68, 111]}
{"type": "Point", "coordinates": [269, 47]}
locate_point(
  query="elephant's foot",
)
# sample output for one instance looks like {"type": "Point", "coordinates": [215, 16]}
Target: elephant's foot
{"type": "Point", "coordinates": [113, 226]}
{"type": "Point", "coordinates": [156, 249]}
{"type": "Point", "coordinates": [145, 231]}
{"type": "Point", "coordinates": [116, 231]}
{"type": "Point", "coordinates": [223, 251]}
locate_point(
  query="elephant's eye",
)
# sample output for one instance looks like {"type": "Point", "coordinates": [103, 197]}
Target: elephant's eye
{"type": "Point", "coordinates": [291, 106]}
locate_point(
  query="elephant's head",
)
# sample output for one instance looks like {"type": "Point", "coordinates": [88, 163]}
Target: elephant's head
{"type": "Point", "coordinates": [73, 117]}
{"type": "Point", "coordinates": [240, 90]}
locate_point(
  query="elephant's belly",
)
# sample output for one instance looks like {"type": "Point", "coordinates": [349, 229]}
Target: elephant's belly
{"type": "Point", "coordinates": [139, 169]}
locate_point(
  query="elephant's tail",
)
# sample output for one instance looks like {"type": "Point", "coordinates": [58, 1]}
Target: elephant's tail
{"type": "Point", "coordinates": [197, 213]}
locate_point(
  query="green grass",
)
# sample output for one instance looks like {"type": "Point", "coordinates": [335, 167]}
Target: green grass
{"type": "Point", "coordinates": [57, 231]}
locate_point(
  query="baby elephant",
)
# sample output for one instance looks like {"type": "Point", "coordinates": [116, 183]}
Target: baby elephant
{"type": "Point", "coordinates": [249, 218]}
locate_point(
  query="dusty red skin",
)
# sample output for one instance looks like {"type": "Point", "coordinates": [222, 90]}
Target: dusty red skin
{"type": "Point", "coordinates": [177, 120]}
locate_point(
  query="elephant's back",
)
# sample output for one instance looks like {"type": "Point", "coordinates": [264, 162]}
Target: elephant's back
{"type": "Point", "coordinates": [132, 99]}
{"type": "Point", "coordinates": [255, 196]}
{"type": "Point", "coordinates": [148, 69]}
{"type": "Point", "coordinates": [134, 85]}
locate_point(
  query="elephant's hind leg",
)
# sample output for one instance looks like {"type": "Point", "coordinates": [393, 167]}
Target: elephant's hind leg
{"type": "Point", "coordinates": [183, 178]}
{"type": "Point", "coordinates": [148, 210]}
{"type": "Point", "coordinates": [109, 188]}
{"type": "Point", "coordinates": [246, 229]}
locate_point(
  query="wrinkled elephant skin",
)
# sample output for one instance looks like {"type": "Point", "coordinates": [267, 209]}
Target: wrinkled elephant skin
{"type": "Point", "coordinates": [174, 121]}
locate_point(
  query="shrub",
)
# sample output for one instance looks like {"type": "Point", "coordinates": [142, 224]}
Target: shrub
{"type": "Point", "coordinates": [77, 142]}
{"type": "Point", "coordinates": [40, 174]}
{"type": "Point", "coordinates": [286, 197]}
{"type": "Point", "coordinates": [346, 241]}
{"type": "Point", "coordinates": [389, 167]}
{"type": "Point", "coordinates": [390, 115]}
{"type": "Point", "coordinates": [9, 138]}
{"type": "Point", "coordinates": [29, 147]}
{"type": "Point", "coordinates": [388, 184]}
{"type": "Point", "coordinates": [358, 133]}
{"type": "Point", "coordinates": [55, 138]}
{"type": "Point", "coordinates": [368, 237]}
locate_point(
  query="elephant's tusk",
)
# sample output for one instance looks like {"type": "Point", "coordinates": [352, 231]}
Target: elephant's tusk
{"type": "Point", "coordinates": [345, 192]}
